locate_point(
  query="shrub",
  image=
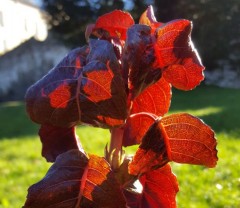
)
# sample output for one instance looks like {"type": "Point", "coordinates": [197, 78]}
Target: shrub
{"type": "Point", "coordinates": [121, 81]}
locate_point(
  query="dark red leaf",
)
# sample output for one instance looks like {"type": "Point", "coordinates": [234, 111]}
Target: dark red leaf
{"type": "Point", "coordinates": [152, 152]}
{"type": "Point", "coordinates": [190, 140]}
{"type": "Point", "coordinates": [48, 100]}
{"type": "Point", "coordinates": [176, 55]}
{"type": "Point", "coordinates": [114, 24]}
{"type": "Point", "coordinates": [88, 31]}
{"type": "Point", "coordinates": [76, 181]}
{"type": "Point", "coordinates": [138, 59]}
{"type": "Point", "coordinates": [148, 18]}
{"type": "Point", "coordinates": [86, 87]}
{"type": "Point", "coordinates": [57, 140]}
{"type": "Point", "coordinates": [102, 50]}
{"type": "Point", "coordinates": [133, 199]}
{"type": "Point", "coordinates": [159, 188]}
{"type": "Point", "coordinates": [103, 91]}
{"type": "Point", "coordinates": [136, 127]}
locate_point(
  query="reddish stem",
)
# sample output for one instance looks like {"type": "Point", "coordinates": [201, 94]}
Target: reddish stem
{"type": "Point", "coordinates": [116, 139]}
{"type": "Point", "coordinates": [114, 155]}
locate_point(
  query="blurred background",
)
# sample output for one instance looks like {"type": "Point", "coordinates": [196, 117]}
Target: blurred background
{"type": "Point", "coordinates": [36, 34]}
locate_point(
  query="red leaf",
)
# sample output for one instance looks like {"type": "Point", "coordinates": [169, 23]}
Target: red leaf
{"type": "Point", "coordinates": [155, 99]}
{"type": "Point", "coordinates": [138, 59]}
{"type": "Point", "coordinates": [48, 99]}
{"type": "Point", "coordinates": [136, 127]}
{"type": "Point", "coordinates": [159, 188]}
{"type": "Point", "coordinates": [85, 87]}
{"type": "Point", "coordinates": [180, 138]}
{"type": "Point", "coordinates": [177, 56]}
{"type": "Point", "coordinates": [190, 140]}
{"type": "Point", "coordinates": [152, 152]}
{"type": "Point", "coordinates": [148, 18]}
{"type": "Point", "coordinates": [76, 181]}
{"type": "Point", "coordinates": [115, 23]}
{"type": "Point", "coordinates": [57, 140]}
{"type": "Point", "coordinates": [103, 91]}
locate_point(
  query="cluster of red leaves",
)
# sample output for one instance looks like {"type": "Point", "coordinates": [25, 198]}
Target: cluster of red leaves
{"type": "Point", "coordinates": [122, 80]}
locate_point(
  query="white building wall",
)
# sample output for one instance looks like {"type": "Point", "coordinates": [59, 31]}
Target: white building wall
{"type": "Point", "coordinates": [18, 23]}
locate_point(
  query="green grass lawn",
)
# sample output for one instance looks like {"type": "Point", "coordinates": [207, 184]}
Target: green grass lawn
{"type": "Point", "coordinates": [21, 163]}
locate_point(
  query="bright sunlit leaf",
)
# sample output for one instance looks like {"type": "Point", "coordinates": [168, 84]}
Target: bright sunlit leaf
{"type": "Point", "coordinates": [176, 55]}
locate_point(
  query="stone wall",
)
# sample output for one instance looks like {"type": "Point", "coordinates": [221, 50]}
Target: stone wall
{"type": "Point", "coordinates": [26, 64]}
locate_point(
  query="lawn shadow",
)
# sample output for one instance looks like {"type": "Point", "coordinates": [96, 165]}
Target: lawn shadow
{"type": "Point", "coordinates": [217, 107]}
{"type": "Point", "coordinates": [14, 121]}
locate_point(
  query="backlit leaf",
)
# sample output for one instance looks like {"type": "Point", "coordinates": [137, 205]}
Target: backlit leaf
{"type": "Point", "coordinates": [85, 87]}
{"type": "Point", "coordinates": [180, 138]}
{"type": "Point", "coordinates": [114, 24]}
{"type": "Point", "coordinates": [191, 141]}
{"type": "Point", "coordinates": [159, 188]}
{"type": "Point", "coordinates": [152, 102]}
{"type": "Point", "coordinates": [57, 140]}
{"type": "Point", "coordinates": [152, 152]}
{"type": "Point", "coordinates": [136, 127]}
{"type": "Point", "coordinates": [76, 181]}
{"type": "Point", "coordinates": [155, 99]}
{"type": "Point", "coordinates": [176, 55]}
